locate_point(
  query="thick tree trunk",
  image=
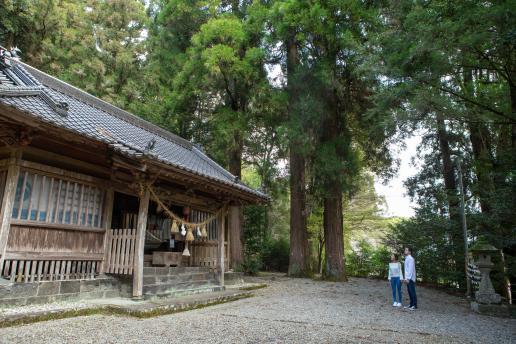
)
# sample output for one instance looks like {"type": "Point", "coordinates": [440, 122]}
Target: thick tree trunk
{"type": "Point", "coordinates": [236, 215]}
{"type": "Point", "coordinates": [299, 253]}
{"type": "Point", "coordinates": [480, 142]}
{"type": "Point", "coordinates": [332, 135]}
{"type": "Point", "coordinates": [512, 89]}
{"type": "Point", "coordinates": [450, 181]}
{"type": "Point", "coordinates": [298, 263]}
{"type": "Point", "coordinates": [334, 243]}
{"type": "Point", "coordinates": [481, 145]}
{"type": "Point", "coordinates": [320, 253]}
{"type": "Point", "coordinates": [450, 184]}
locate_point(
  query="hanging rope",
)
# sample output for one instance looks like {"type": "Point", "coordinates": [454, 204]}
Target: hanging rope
{"type": "Point", "coordinates": [177, 219]}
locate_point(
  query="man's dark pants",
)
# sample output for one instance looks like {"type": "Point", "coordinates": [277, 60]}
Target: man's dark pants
{"type": "Point", "coordinates": [411, 288]}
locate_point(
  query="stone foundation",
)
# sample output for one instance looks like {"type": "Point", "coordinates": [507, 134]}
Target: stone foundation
{"type": "Point", "coordinates": [20, 294]}
{"type": "Point", "coordinates": [233, 278]}
{"type": "Point", "coordinates": [499, 310]}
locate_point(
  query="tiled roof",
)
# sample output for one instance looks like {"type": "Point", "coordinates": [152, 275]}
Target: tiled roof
{"type": "Point", "coordinates": [65, 106]}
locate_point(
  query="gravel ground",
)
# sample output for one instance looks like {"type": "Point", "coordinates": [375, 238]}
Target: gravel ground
{"type": "Point", "coordinates": [289, 311]}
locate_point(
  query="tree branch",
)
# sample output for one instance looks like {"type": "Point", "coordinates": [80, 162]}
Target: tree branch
{"type": "Point", "coordinates": [474, 102]}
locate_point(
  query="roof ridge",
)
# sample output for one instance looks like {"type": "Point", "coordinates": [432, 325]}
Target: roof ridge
{"type": "Point", "coordinates": [59, 85]}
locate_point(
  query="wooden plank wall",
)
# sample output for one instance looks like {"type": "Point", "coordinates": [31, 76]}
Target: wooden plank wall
{"type": "Point", "coordinates": [204, 253]}
{"type": "Point", "coordinates": [56, 226]}
{"type": "Point", "coordinates": [46, 240]}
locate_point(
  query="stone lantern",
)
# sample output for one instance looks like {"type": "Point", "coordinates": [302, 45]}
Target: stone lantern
{"type": "Point", "coordinates": [482, 255]}
{"type": "Point", "coordinates": [487, 301]}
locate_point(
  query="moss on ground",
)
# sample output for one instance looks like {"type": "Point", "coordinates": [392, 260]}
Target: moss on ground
{"type": "Point", "coordinates": [118, 311]}
{"type": "Point", "coordinates": [254, 287]}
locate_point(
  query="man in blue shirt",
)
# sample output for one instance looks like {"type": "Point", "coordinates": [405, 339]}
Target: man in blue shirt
{"type": "Point", "coordinates": [410, 278]}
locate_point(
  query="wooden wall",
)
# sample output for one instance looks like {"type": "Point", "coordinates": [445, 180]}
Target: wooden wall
{"type": "Point", "coordinates": [54, 242]}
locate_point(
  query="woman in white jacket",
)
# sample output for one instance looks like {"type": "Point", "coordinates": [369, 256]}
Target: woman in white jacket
{"type": "Point", "coordinates": [395, 277]}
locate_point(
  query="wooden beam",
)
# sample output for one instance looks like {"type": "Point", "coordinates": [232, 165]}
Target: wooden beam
{"type": "Point", "coordinates": [56, 226]}
{"type": "Point", "coordinates": [140, 244]}
{"type": "Point", "coordinates": [6, 210]}
{"type": "Point", "coordinates": [51, 157]}
{"type": "Point", "coordinates": [213, 187]}
{"type": "Point", "coordinates": [24, 255]}
{"type": "Point", "coordinates": [221, 226]}
{"type": "Point", "coordinates": [107, 216]}
{"type": "Point", "coordinates": [59, 172]}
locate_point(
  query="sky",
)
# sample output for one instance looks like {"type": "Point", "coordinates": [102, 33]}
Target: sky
{"type": "Point", "coordinates": [398, 203]}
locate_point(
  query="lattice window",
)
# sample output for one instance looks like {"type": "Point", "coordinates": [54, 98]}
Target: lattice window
{"type": "Point", "coordinates": [53, 200]}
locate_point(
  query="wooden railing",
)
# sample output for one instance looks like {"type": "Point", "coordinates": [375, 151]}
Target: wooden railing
{"type": "Point", "coordinates": [120, 251]}
{"type": "Point", "coordinates": [35, 270]}
{"type": "Point", "coordinates": [204, 253]}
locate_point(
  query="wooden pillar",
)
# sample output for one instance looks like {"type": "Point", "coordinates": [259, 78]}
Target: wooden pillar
{"type": "Point", "coordinates": [140, 244]}
{"type": "Point", "coordinates": [236, 249]}
{"type": "Point", "coordinates": [107, 216]}
{"type": "Point", "coordinates": [6, 210]}
{"type": "Point", "coordinates": [221, 226]}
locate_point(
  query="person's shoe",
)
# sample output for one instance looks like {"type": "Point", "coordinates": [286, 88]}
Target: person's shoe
{"type": "Point", "coordinates": [394, 304]}
{"type": "Point", "coordinates": [406, 307]}
{"type": "Point", "coordinates": [412, 308]}
{"type": "Point", "coordinates": [399, 304]}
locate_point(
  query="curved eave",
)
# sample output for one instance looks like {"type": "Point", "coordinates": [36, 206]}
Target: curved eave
{"type": "Point", "coordinates": [240, 191]}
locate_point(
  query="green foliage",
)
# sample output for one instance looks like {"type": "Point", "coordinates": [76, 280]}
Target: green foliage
{"type": "Point", "coordinates": [97, 46]}
{"type": "Point", "coordinates": [367, 261]}
{"type": "Point", "coordinates": [252, 264]}
{"type": "Point", "coordinates": [275, 255]}
{"type": "Point", "coordinates": [262, 251]}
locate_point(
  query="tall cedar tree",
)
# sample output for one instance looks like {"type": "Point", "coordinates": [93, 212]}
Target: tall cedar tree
{"type": "Point", "coordinates": [329, 128]}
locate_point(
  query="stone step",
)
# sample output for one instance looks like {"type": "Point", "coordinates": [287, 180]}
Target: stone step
{"type": "Point", "coordinates": [179, 278]}
{"type": "Point", "coordinates": [152, 271]}
{"type": "Point", "coordinates": [178, 288]}
{"type": "Point", "coordinates": [184, 292]}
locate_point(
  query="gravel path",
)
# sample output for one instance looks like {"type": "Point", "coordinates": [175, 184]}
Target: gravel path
{"type": "Point", "coordinates": [289, 311]}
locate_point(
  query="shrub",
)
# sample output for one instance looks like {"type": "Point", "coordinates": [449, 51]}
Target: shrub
{"type": "Point", "coordinates": [275, 255]}
{"type": "Point", "coordinates": [251, 265]}
{"type": "Point", "coordinates": [367, 261]}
